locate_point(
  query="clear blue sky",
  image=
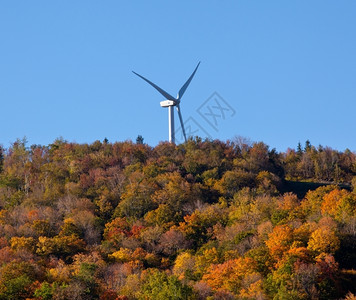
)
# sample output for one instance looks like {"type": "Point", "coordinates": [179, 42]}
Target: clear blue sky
{"type": "Point", "coordinates": [287, 69]}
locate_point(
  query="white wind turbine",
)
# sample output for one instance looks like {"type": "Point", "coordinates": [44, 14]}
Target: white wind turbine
{"type": "Point", "coordinates": [170, 102]}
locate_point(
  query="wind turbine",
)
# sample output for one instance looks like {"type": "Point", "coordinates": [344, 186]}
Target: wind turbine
{"type": "Point", "coordinates": [170, 102]}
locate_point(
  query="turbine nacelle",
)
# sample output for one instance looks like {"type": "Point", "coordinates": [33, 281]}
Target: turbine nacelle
{"type": "Point", "coordinates": [167, 103]}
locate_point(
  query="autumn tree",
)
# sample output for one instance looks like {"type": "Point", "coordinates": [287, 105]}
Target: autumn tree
{"type": "Point", "coordinates": [279, 240]}
{"type": "Point", "coordinates": [238, 276]}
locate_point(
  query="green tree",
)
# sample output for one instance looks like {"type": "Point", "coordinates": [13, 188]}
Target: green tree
{"type": "Point", "coordinates": [45, 291]}
{"type": "Point", "coordinates": [160, 286]}
{"type": "Point", "coordinates": [16, 278]}
{"type": "Point", "coordinates": [86, 276]}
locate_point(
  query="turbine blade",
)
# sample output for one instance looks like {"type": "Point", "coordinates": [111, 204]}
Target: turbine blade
{"type": "Point", "coordinates": [181, 121]}
{"type": "Point", "coordinates": [184, 87]}
{"type": "Point", "coordinates": [163, 92]}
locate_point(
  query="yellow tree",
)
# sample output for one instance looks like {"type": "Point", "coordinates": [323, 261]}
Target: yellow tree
{"type": "Point", "coordinates": [22, 243]}
{"type": "Point", "coordinates": [184, 266]}
{"type": "Point", "coordinates": [324, 240]}
{"type": "Point", "coordinates": [332, 201]}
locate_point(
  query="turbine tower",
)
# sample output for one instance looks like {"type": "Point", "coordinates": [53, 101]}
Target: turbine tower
{"type": "Point", "coordinates": [170, 102]}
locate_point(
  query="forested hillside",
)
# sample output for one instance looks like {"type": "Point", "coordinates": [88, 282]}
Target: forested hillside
{"type": "Point", "coordinates": [201, 220]}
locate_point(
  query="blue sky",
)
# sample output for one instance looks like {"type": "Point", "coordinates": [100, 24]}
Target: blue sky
{"type": "Point", "coordinates": [286, 70]}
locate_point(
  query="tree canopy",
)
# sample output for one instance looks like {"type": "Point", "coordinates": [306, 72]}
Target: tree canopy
{"type": "Point", "coordinates": [201, 220]}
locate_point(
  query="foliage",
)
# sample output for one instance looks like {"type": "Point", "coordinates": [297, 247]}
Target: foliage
{"type": "Point", "coordinates": [160, 286]}
{"type": "Point", "coordinates": [200, 220]}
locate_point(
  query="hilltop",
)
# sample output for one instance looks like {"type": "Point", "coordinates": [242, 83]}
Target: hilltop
{"type": "Point", "coordinates": [201, 220]}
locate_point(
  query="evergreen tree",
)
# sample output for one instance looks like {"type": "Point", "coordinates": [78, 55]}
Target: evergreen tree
{"type": "Point", "coordinates": [299, 149]}
{"type": "Point", "coordinates": [1, 158]}
{"type": "Point", "coordinates": [139, 140]}
{"type": "Point", "coordinates": [308, 146]}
